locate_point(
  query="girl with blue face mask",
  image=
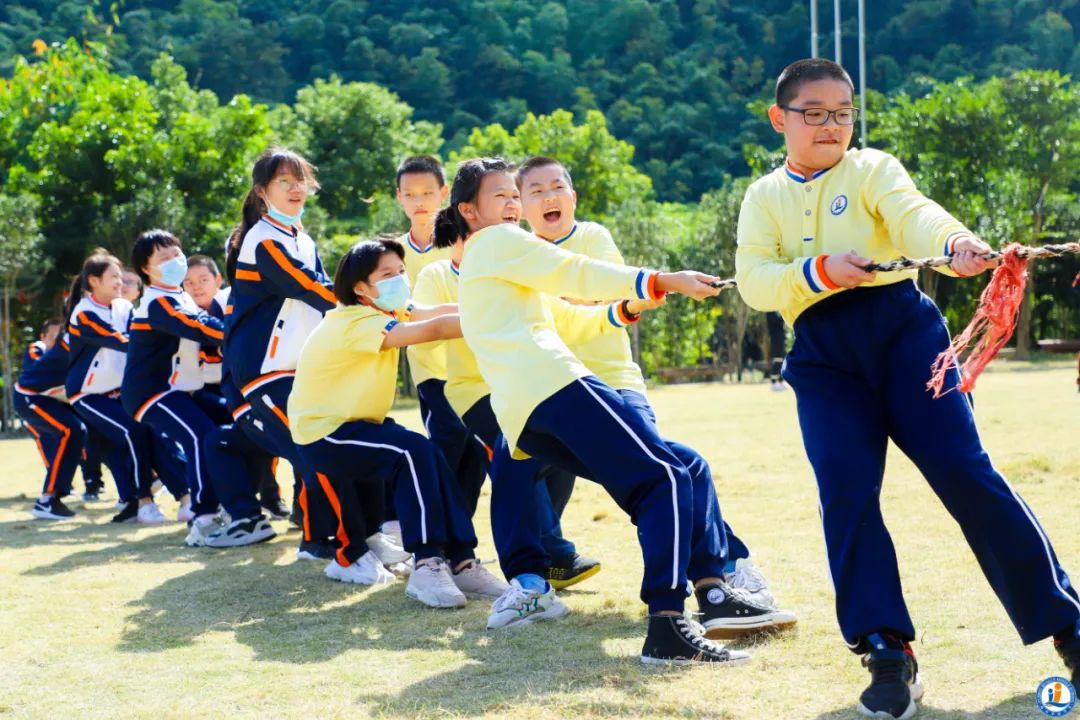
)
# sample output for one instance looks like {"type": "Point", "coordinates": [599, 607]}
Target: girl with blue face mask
{"type": "Point", "coordinates": [338, 411]}
{"type": "Point", "coordinates": [168, 330]}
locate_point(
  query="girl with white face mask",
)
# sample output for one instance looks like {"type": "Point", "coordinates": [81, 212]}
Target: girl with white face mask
{"type": "Point", "coordinates": [345, 384]}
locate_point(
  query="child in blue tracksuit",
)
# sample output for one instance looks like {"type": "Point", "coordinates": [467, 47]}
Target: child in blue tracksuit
{"type": "Point", "coordinates": [167, 332]}
{"type": "Point", "coordinates": [278, 295]}
{"type": "Point", "coordinates": [60, 434]}
{"type": "Point", "coordinates": [864, 346]}
{"type": "Point", "coordinates": [97, 321]}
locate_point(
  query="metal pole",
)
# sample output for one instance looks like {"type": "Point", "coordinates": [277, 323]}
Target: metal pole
{"type": "Point", "coordinates": [862, 70]}
{"type": "Point", "coordinates": [813, 29]}
{"type": "Point", "coordinates": [836, 30]}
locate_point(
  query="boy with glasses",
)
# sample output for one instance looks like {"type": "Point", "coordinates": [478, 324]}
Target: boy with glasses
{"type": "Point", "coordinates": [864, 344]}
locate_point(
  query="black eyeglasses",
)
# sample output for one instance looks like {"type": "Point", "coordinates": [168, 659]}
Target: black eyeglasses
{"type": "Point", "coordinates": [820, 116]}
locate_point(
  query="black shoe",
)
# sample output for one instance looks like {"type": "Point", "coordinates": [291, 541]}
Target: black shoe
{"type": "Point", "coordinates": [94, 489]}
{"type": "Point", "coordinates": [894, 685]}
{"type": "Point", "coordinates": [296, 517]}
{"type": "Point", "coordinates": [571, 570]}
{"type": "Point", "coordinates": [315, 550]}
{"type": "Point", "coordinates": [1069, 650]}
{"type": "Point", "coordinates": [673, 639]}
{"type": "Point", "coordinates": [52, 509]}
{"type": "Point", "coordinates": [727, 612]}
{"type": "Point", "coordinates": [128, 514]}
{"type": "Point", "coordinates": [275, 508]}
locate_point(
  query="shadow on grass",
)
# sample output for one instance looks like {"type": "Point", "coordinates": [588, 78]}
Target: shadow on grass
{"type": "Point", "coordinates": [290, 613]}
{"type": "Point", "coordinates": [1018, 706]}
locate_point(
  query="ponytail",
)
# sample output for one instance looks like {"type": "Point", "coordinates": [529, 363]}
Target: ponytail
{"type": "Point", "coordinates": [450, 227]}
{"type": "Point", "coordinates": [73, 298]}
{"type": "Point", "coordinates": [253, 210]}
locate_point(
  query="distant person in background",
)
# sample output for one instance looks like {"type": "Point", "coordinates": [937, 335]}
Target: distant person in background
{"type": "Point", "coordinates": [777, 342]}
{"type": "Point", "coordinates": [133, 286]}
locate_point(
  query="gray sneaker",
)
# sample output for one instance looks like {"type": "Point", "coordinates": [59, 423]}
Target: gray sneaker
{"type": "Point", "coordinates": [245, 531]}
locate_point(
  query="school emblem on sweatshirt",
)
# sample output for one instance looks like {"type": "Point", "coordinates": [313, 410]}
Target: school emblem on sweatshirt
{"type": "Point", "coordinates": [1056, 697]}
{"type": "Point", "coordinates": [839, 205]}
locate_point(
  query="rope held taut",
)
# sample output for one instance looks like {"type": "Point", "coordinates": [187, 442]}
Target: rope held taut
{"type": "Point", "coordinates": [1023, 252]}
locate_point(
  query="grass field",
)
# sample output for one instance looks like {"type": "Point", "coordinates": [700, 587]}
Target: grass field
{"type": "Point", "coordinates": [102, 621]}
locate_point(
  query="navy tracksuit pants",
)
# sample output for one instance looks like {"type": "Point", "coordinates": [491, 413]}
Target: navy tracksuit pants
{"type": "Point", "coordinates": [129, 461]}
{"type": "Point", "coordinates": [355, 462]}
{"type": "Point", "coordinates": [179, 418]}
{"type": "Point", "coordinates": [60, 435]}
{"type": "Point", "coordinates": [859, 368]}
{"type": "Point", "coordinates": [588, 425]}
{"type": "Point", "coordinates": [94, 452]}
{"type": "Point", "coordinates": [169, 463]}
{"type": "Point", "coordinates": [230, 456]}
{"type": "Point", "coordinates": [525, 490]}
{"type": "Point", "coordinates": [465, 455]}
{"type": "Point", "coordinates": [270, 404]}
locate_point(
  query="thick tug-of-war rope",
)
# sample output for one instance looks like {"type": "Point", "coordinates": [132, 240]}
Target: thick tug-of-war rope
{"type": "Point", "coordinates": [995, 318]}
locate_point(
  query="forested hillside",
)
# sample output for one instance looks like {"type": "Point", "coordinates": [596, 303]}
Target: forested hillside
{"type": "Point", "coordinates": [672, 77]}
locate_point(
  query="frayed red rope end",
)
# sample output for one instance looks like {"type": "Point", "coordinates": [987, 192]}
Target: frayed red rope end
{"type": "Point", "coordinates": [992, 326]}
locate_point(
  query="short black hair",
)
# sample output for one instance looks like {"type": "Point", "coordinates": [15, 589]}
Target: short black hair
{"type": "Point", "coordinates": [540, 161]}
{"type": "Point", "coordinates": [146, 244]}
{"type": "Point", "coordinates": [359, 262]}
{"type": "Point", "coordinates": [204, 261]}
{"type": "Point", "coordinates": [421, 164]}
{"type": "Point", "coordinates": [808, 70]}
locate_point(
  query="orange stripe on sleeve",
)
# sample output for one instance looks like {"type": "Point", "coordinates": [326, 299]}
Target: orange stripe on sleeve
{"type": "Point", "coordinates": [85, 320]}
{"type": "Point", "coordinates": [182, 317]}
{"type": "Point", "coordinates": [304, 280]}
{"type": "Point", "coordinates": [248, 275]}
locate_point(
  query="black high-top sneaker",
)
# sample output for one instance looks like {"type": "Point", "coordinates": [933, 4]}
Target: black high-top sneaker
{"type": "Point", "coordinates": [894, 685]}
{"type": "Point", "coordinates": [676, 640]}
{"type": "Point", "coordinates": [728, 612]}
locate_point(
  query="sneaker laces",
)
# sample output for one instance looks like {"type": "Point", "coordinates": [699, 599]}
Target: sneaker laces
{"type": "Point", "coordinates": [747, 577]}
{"type": "Point", "coordinates": [514, 595]}
{"type": "Point", "coordinates": [885, 670]}
{"type": "Point", "coordinates": [689, 629]}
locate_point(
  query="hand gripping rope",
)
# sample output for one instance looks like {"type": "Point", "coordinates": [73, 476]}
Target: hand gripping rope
{"type": "Point", "coordinates": [995, 318]}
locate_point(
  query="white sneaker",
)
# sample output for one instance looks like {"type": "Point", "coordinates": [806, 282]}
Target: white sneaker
{"type": "Point", "coordinates": [518, 606]}
{"type": "Point", "coordinates": [477, 582]}
{"type": "Point", "coordinates": [185, 514]}
{"type": "Point", "coordinates": [365, 571]}
{"type": "Point", "coordinates": [392, 528]}
{"type": "Point", "coordinates": [749, 579]}
{"type": "Point", "coordinates": [431, 584]}
{"type": "Point", "coordinates": [388, 551]}
{"type": "Point", "coordinates": [150, 514]}
{"type": "Point", "coordinates": [201, 530]}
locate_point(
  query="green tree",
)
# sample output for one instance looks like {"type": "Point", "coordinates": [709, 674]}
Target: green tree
{"type": "Point", "coordinates": [22, 262]}
{"type": "Point", "coordinates": [600, 164]}
{"type": "Point", "coordinates": [356, 133]}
